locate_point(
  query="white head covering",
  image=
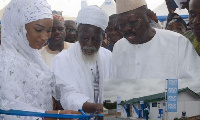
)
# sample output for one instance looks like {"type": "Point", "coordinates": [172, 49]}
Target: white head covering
{"type": "Point", "coordinates": [93, 15]}
{"type": "Point", "coordinates": [24, 77]}
{"type": "Point", "coordinates": [127, 5]}
{"type": "Point", "coordinates": [17, 14]}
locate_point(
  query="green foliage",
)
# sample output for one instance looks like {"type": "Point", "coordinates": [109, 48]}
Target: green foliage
{"type": "Point", "coordinates": [108, 105]}
{"type": "Point", "coordinates": [175, 118]}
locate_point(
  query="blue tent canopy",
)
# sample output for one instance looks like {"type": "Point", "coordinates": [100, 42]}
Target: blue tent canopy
{"type": "Point", "coordinates": [164, 18]}
{"type": "Point", "coordinates": [162, 10]}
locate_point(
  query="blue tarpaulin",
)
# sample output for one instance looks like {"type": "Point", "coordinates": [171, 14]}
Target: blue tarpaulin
{"type": "Point", "coordinates": [164, 18]}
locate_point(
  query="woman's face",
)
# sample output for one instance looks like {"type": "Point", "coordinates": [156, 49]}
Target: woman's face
{"type": "Point", "coordinates": [38, 32]}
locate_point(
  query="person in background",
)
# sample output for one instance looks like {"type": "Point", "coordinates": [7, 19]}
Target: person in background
{"type": "Point", "coordinates": [194, 20]}
{"type": "Point", "coordinates": [171, 6]}
{"type": "Point", "coordinates": [153, 20]}
{"type": "Point", "coordinates": [105, 41]}
{"type": "Point", "coordinates": [150, 53]}
{"type": "Point", "coordinates": [176, 23]}
{"type": "Point", "coordinates": [26, 83]}
{"type": "Point", "coordinates": [70, 28]}
{"type": "Point", "coordinates": [112, 32]}
{"type": "Point", "coordinates": [185, 5]}
{"type": "Point", "coordinates": [84, 65]}
{"type": "Point", "coordinates": [56, 42]}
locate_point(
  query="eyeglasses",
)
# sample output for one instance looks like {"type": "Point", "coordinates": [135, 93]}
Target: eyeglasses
{"type": "Point", "coordinates": [70, 30]}
{"type": "Point", "coordinates": [134, 24]}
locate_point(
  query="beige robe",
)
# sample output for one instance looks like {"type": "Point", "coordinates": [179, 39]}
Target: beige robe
{"type": "Point", "coordinates": [48, 55]}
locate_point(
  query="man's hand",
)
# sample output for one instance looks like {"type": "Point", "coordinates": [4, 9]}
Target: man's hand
{"type": "Point", "coordinates": [92, 107]}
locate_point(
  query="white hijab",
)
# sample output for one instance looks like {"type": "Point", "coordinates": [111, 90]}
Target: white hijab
{"type": "Point", "coordinates": [17, 14]}
{"type": "Point", "coordinates": [26, 82]}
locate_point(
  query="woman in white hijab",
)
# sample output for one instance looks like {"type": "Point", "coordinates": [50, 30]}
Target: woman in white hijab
{"type": "Point", "coordinates": [25, 81]}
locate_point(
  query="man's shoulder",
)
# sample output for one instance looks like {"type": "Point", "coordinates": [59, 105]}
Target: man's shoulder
{"type": "Point", "coordinates": [188, 32]}
{"type": "Point", "coordinates": [165, 33]}
{"type": "Point", "coordinates": [190, 35]}
{"type": "Point", "coordinates": [104, 51]}
{"type": "Point", "coordinates": [67, 45]}
{"type": "Point", "coordinates": [60, 56]}
{"type": "Point", "coordinates": [42, 50]}
{"type": "Point", "coordinates": [122, 40]}
{"type": "Point", "coordinates": [170, 36]}
{"type": "Point", "coordinates": [120, 43]}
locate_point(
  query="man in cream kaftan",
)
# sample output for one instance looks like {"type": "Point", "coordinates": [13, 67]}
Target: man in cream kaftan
{"type": "Point", "coordinates": [166, 55]}
{"type": "Point", "coordinates": [148, 53]}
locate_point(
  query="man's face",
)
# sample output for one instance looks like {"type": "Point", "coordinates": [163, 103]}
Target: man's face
{"type": "Point", "coordinates": [90, 38]}
{"type": "Point", "coordinates": [133, 25]}
{"type": "Point", "coordinates": [113, 32]}
{"type": "Point", "coordinates": [194, 16]}
{"type": "Point", "coordinates": [58, 33]}
{"type": "Point", "coordinates": [70, 31]}
{"type": "Point", "coordinates": [176, 27]}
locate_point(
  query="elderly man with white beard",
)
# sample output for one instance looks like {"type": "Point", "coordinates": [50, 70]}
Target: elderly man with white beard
{"type": "Point", "coordinates": [80, 70]}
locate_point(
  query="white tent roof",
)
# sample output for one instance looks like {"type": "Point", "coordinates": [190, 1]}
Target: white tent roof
{"type": "Point", "coordinates": [109, 6]}
{"type": "Point", "coordinates": [3, 8]}
{"type": "Point", "coordinates": [1, 12]}
{"type": "Point", "coordinates": [162, 10]}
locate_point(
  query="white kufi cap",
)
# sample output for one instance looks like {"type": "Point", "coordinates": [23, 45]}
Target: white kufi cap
{"type": "Point", "coordinates": [128, 5]}
{"type": "Point", "coordinates": [93, 15]}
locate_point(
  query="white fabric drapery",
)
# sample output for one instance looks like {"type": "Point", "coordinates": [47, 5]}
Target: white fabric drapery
{"type": "Point", "coordinates": [26, 82]}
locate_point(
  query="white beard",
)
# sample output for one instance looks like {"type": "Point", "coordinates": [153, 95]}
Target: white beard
{"type": "Point", "coordinates": [90, 58]}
